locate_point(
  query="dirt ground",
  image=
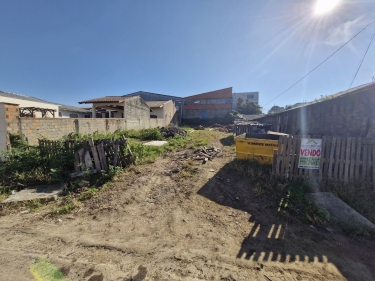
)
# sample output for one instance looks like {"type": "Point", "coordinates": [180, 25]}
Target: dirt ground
{"type": "Point", "coordinates": [153, 223]}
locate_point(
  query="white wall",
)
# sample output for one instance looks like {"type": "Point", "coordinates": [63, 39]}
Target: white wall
{"type": "Point", "coordinates": [3, 131]}
{"type": "Point", "coordinates": [25, 103]}
{"type": "Point", "coordinates": [159, 112]}
{"type": "Point", "coordinates": [66, 114]}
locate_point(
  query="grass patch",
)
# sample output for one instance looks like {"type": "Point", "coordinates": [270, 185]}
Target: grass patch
{"type": "Point", "coordinates": [189, 169]}
{"type": "Point", "coordinates": [355, 194]}
{"type": "Point", "coordinates": [43, 269]}
{"type": "Point", "coordinates": [293, 193]}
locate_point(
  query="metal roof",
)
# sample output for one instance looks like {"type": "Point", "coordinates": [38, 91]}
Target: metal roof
{"type": "Point", "coordinates": [218, 94]}
{"type": "Point", "coordinates": [23, 97]}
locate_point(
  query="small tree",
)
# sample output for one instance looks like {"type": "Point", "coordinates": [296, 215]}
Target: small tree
{"type": "Point", "coordinates": [276, 109]}
{"type": "Point", "coordinates": [248, 107]}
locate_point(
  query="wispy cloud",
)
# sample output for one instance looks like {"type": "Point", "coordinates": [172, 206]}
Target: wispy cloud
{"type": "Point", "coordinates": [341, 34]}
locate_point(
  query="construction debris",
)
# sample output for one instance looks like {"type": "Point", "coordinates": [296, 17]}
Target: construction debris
{"type": "Point", "coordinates": [200, 127]}
{"type": "Point", "coordinates": [170, 132]}
{"type": "Point", "coordinates": [206, 153]}
{"type": "Point", "coordinates": [223, 128]}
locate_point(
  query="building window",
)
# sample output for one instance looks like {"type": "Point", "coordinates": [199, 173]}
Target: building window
{"type": "Point", "coordinates": [250, 97]}
{"type": "Point", "coordinates": [87, 116]}
{"type": "Point", "coordinates": [73, 115]}
{"type": "Point", "coordinates": [60, 114]}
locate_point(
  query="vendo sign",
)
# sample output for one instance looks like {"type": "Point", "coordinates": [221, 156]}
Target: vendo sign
{"type": "Point", "coordinates": [309, 153]}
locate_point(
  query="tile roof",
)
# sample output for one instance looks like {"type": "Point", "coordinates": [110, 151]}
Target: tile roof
{"type": "Point", "coordinates": [22, 97]}
{"type": "Point", "coordinates": [207, 106]}
{"type": "Point", "coordinates": [142, 92]}
{"type": "Point", "coordinates": [156, 103]}
{"type": "Point", "coordinates": [105, 99]}
{"type": "Point", "coordinates": [218, 94]}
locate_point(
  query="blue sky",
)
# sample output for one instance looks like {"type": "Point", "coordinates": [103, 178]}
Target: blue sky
{"type": "Point", "coordinates": [68, 51]}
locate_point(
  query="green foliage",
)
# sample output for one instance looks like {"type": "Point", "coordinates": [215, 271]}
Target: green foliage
{"type": "Point", "coordinates": [356, 194]}
{"type": "Point", "coordinates": [248, 107]}
{"type": "Point", "coordinates": [18, 141]}
{"type": "Point", "coordinates": [143, 153]}
{"type": "Point", "coordinates": [150, 134]}
{"type": "Point", "coordinates": [276, 109]}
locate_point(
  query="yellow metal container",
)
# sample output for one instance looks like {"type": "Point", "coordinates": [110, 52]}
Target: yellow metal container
{"type": "Point", "coordinates": [259, 147]}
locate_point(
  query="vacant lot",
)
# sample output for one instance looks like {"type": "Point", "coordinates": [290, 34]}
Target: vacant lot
{"type": "Point", "coordinates": [177, 219]}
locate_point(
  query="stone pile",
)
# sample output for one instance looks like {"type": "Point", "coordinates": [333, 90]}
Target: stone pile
{"type": "Point", "coordinates": [170, 132]}
{"type": "Point", "coordinates": [223, 128]}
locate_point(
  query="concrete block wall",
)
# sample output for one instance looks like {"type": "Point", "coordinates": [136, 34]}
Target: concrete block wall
{"type": "Point", "coordinates": [350, 115]}
{"type": "Point", "coordinates": [57, 128]}
{"type": "Point", "coordinates": [210, 113]}
{"type": "Point", "coordinates": [169, 112]}
{"type": "Point", "coordinates": [157, 122]}
{"type": "Point", "coordinates": [137, 113]}
{"type": "Point", "coordinates": [3, 128]}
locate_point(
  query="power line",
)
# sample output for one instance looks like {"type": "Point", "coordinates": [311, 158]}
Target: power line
{"type": "Point", "coordinates": [320, 63]}
{"type": "Point", "coordinates": [368, 47]}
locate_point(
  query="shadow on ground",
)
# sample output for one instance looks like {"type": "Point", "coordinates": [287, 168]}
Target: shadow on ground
{"type": "Point", "coordinates": [227, 141]}
{"type": "Point", "coordinates": [277, 237]}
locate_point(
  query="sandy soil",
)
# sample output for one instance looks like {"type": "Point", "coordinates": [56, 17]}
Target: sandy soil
{"type": "Point", "coordinates": [153, 224]}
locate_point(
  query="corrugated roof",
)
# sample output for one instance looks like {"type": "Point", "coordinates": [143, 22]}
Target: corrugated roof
{"type": "Point", "coordinates": [22, 97]}
{"type": "Point", "coordinates": [105, 99]}
{"type": "Point", "coordinates": [218, 94]}
{"type": "Point", "coordinates": [156, 103]}
{"type": "Point", "coordinates": [208, 106]}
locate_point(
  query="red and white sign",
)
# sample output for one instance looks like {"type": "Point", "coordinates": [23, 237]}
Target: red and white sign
{"type": "Point", "coordinates": [309, 153]}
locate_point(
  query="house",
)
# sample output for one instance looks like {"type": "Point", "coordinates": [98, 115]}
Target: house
{"type": "Point", "coordinates": [163, 110]}
{"type": "Point", "coordinates": [208, 105]}
{"type": "Point", "coordinates": [147, 96]}
{"type": "Point", "coordinates": [30, 106]}
{"type": "Point", "coordinates": [68, 111]}
{"type": "Point", "coordinates": [133, 108]}
{"type": "Point", "coordinates": [250, 96]}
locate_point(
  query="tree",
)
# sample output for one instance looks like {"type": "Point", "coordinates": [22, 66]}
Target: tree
{"type": "Point", "coordinates": [248, 107]}
{"type": "Point", "coordinates": [276, 109]}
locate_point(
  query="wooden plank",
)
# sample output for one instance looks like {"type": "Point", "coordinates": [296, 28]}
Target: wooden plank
{"type": "Point", "coordinates": [342, 159]}
{"type": "Point", "coordinates": [293, 158]}
{"type": "Point", "coordinates": [347, 158]}
{"type": "Point", "coordinates": [81, 154]}
{"type": "Point", "coordinates": [88, 160]}
{"type": "Point", "coordinates": [358, 158]}
{"type": "Point", "coordinates": [337, 158]}
{"type": "Point", "coordinates": [274, 160]}
{"type": "Point", "coordinates": [279, 153]}
{"type": "Point", "coordinates": [296, 169]}
{"type": "Point", "coordinates": [104, 158]}
{"type": "Point", "coordinates": [95, 154]}
{"type": "Point", "coordinates": [284, 162]}
{"type": "Point", "coordinates": [364, 162]}
{"type": "Point", "coordinates": [322, 157]}
{"type": "Point", "coordinates": [76, 162]}
{"type": "Point", "coordinates": [352, 159]}
{"type": "Point", "coordinates": [115, 157]}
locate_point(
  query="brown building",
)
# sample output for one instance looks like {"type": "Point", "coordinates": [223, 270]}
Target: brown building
{"type": "Point", "coordinates": [208, 105]}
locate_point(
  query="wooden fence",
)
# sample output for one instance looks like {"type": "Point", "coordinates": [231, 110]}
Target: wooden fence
{"type": "Point", "coordinates": [342, 159]}
{"type": "Point", "coordinates": [89, 155]}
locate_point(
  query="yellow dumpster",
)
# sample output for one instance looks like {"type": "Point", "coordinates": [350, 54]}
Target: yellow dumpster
{"type": "Point", "coordinates": [259, 147]}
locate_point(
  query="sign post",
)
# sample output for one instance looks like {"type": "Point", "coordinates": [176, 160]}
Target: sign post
{"type": "Point", "coordinates": [310, 154]}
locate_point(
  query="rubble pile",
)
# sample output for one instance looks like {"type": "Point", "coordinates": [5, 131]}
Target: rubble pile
{"type": "Point", "coordinates": [223, 128]}
{"type": "Point", "coordinates": [200, 127]}
{"type": "Point", "coordinates": [170, 132]}
{"type": "Point", "coordinates": [206, 153]}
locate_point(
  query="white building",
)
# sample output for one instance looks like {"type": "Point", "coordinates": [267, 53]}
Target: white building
{"type": "Point", "coordinates": [27, 104]}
